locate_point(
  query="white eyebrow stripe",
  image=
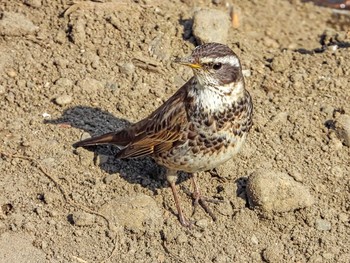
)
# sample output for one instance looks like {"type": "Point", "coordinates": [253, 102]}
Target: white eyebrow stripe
{"type": "Point", "coordinates": [232, 60]}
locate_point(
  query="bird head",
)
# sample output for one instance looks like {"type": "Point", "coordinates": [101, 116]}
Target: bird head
{"type": "Point", "coordinates": [214, 64]}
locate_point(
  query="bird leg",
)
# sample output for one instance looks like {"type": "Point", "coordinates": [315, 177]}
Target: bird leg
{"type": "Point", "coordinates": [201, 200]}
{"type": "Point", "coordinates": [171, 178]}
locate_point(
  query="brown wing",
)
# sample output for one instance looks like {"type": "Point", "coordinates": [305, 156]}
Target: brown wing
{"type": "Point", "coordinates": [157, 133]}
{"type": "Point", "coordinates": [161, 130]}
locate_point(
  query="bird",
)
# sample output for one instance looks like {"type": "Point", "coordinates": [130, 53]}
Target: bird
{"type": "Point", "coordinates": [203, 125]}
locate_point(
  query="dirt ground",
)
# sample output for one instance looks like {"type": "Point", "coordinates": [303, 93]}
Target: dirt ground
{"type": "Point", "coordinates": [98, 66]}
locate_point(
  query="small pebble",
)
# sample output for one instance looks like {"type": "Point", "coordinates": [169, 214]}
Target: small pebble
{"type": "Point", "coordinates": [246, 73]}
{"type": "Point", "coordinates": [343, 217]}
{"type": "Point", "coordinates": [197, 235]}
{"type": "Point", "coordinates": [90, 85]}
{"type": "Point", "coordinates": [52, 213]}
{"type": "Point", "coordinates": [254, 240]}
{"type": "Point", "coordinates": [46, 115]}
{"type": "Point", "coordinates": [61, 37]}
{"type": "Point", "coordinates": [342, 128]}
{"type": "Point", "coordinates": [270, 42]}
{"type": "Point", "coordinates": [255, 257]}
{"type": "Point", "coordinates": [78, 34]}
{"type": "Point", "coordinates": [112, 85]}
{"type": "Point", "coordinates": [273, 253]}
{"type": "Point", "coordinates": [280, 118]}
{"type": "Point", "coordinates": [43, 244]}
{"type": "Point", "coordinates": [181, 238]}
{"type": "Point", "coordinates": [127, 68]}
{"type": "Point", "coordinates": [110, 178]}
{"type": "Point", "coordinates": [85, 135]}
{"type": "Point", "coordinates": [63, 100]}
{"type": "Point", "coordinates": [280, 63]}
{"type": "Point", "coordinates": [11, 73]}
{"type": "Point", "coordinates": [202, 223]}
{"type": "Point", "coordinates": [2, 90]}
{"type": "Point", "coordinates": [52, 222]}
{"type": "Point", "coordinates": [328, 110]}
{"type": "Point", "coordinates": [10, 97]}
{"type": "Point", "coordinates": [81, 218]}
{"type": "Point", "coordinates": [64, 82]}
{"type": "Point", "coordinates": [30, 84]}
{"type": "Point", "coordinates": [323, 225]}
{"type": "Point", "coordinates": [101, 159]}
{"type": "Point", "coordinates": [39, 211]}
{"type": "Point", "coordinates": [49, 198]}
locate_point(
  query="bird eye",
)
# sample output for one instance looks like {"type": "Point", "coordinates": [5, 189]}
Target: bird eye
{"type": "Point", "coordinates": [217, 66]}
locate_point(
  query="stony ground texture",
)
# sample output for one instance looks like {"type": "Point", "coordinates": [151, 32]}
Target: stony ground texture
{"type": "Point", "coordinates": [71, 69]}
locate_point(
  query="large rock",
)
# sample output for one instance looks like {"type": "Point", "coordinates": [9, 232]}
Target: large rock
{"type": "Point", "coordinates": [274, 192]}
{"type": "Point", "coordinates": [211, 25]}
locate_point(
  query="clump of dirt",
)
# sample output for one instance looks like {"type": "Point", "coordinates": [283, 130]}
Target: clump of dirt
{"type": "Point", "coordinates": [96, 66]}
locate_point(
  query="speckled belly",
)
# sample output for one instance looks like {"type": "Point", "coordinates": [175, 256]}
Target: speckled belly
{"type": "Point", "coordinates": [208, 155]}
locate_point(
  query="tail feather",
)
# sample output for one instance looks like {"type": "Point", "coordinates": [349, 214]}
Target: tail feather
{"type": "Point", "coordinates": [118, 138]}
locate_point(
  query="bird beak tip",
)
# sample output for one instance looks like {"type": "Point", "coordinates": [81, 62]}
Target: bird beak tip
{"type": "Point", "coordinates": [177, 60]}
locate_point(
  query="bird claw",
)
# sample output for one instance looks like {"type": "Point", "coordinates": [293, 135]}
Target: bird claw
{"type": "Point", "coordinates": [185, 222]}
{"type": "Point", "coordinates": [202, 201]}
{"type": "Point", "coordinates": [199, 200]}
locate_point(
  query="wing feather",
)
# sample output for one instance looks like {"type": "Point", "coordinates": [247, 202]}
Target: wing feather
{"type": "Point", "coordinates": [161, 130]}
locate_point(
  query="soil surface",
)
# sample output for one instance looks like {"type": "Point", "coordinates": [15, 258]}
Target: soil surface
{"type": "Point", "coordinates": [91, 67]}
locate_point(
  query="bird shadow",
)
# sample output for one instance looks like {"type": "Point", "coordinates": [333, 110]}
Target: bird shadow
{"type": "Point", "coordinates": [143, 171]}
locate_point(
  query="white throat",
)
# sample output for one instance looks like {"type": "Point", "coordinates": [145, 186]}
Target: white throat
{"type": "Point", "coordinates": [219, 98]}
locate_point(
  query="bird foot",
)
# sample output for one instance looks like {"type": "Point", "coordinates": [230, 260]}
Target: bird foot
{"type": "Point", "coordinates": [198, 199]}
{"type": "Point", "coordinates": [184, 221]}
{"type": "Point", "coordinates": [202, 201]}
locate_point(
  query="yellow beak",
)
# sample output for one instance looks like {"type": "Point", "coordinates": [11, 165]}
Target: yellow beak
{"type": "Point", "coordinates": [193, 65]}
